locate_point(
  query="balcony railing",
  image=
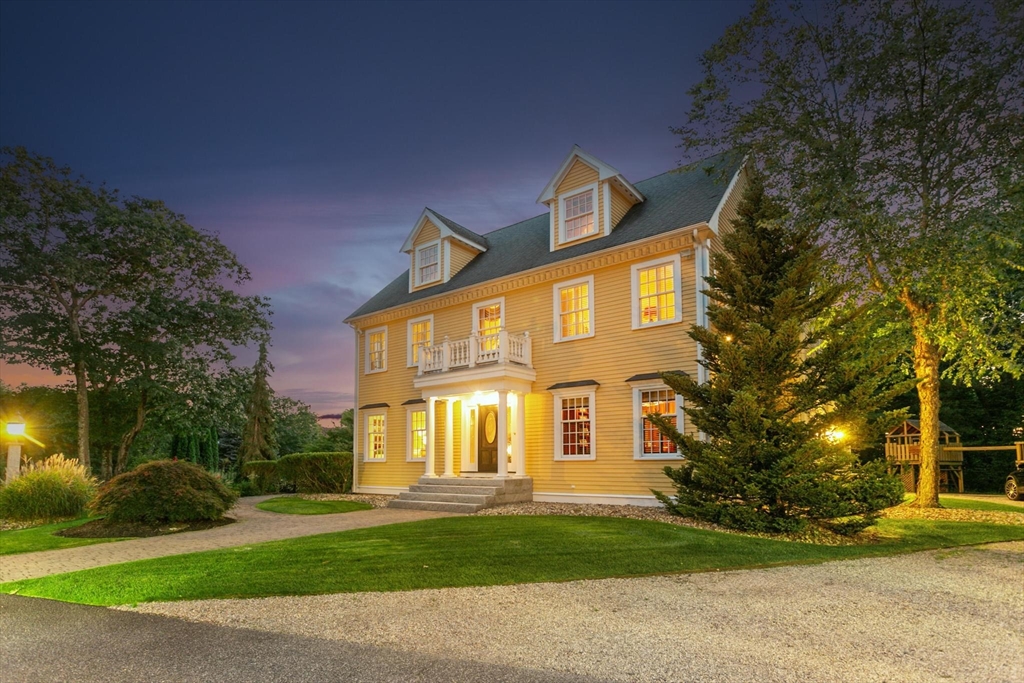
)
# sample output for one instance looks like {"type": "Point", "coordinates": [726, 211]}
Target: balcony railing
{"type": "Point", "coordinates": [502, 347]}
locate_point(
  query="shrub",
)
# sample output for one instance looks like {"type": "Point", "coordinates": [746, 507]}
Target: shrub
{"type": "Point", "coordinates": [259, 477]}
{"type": "Point", "coordinates": [317, 472]}
{"type": "Point", "coordinates": [55, 488]}
{"type": "Point", "coordinates": [164, 491]}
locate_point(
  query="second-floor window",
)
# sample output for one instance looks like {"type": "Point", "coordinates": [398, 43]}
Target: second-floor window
{"type": "Point", "coordinates": [377, 350]}
{"type": "Point", "coordinates": [579, 215]}
{"type": "Point", "coordinates": [656, 295]}
{"type": "Point", "coordinates": [574, 309]}
{"type": "Point", "coordinates": [428, 263]}
{"type": "Point", "coordinates": [420, 331]}
{"type": "Point", "coordinates": [488, 324]}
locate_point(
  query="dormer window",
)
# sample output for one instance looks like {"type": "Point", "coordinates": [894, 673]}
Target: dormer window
{"type": "Point", "coordinates": [577, 215]}
{"type": "Point", "coordinates": [428, 263]}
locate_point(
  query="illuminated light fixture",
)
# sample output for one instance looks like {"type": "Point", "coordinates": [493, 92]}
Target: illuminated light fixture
{"type": "Point", "coordinates": [728, 337]}
{"type": "Point", "coordinates": [16, 427]}
{"type": "Point", "coordinates": [834, 434]}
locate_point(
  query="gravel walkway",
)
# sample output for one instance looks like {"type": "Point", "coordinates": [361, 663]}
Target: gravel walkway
{"type": "Point", "coordinates": [253, 526]}
{"type": "Point", "coordinates": [939, 615]}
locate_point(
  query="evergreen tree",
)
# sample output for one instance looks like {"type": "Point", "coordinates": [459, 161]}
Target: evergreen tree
{"type": "Point", "coordinates": [793, 377]}
{"type": "Point", "coordinates": [258, 441]}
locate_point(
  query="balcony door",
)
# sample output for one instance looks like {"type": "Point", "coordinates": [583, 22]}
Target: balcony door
{"type": "Point", "coordinates": [487, 323]}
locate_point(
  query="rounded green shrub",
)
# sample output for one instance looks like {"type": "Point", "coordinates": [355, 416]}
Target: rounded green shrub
{"type": "Point", "coordinates": [162, 491]}
{"type": "Point", "coordinates": [56, 488]}
{"type": "Point", "coordinates": [317, 472]}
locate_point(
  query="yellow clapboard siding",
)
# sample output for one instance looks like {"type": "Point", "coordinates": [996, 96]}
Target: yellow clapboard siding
{"type": "Point", "coordinates": [579, 174]}
{"type": "Point", "coordinates": [460, 257]}
{"type": "Point", "coordinates": [428, 233]}
{"type": "Point", "coordinates": [620, 205]}
{"type": "Point", "coordinates": [614, 353]}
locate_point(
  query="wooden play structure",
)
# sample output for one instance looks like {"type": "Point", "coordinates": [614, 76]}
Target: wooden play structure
{"type": "Point", "coordinates": [903, 451]}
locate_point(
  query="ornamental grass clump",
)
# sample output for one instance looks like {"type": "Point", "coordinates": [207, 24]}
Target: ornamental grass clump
{"type": "Point", "coordinates": [163, 491]}
{"type": "Point", "coordinates": [55, 488]}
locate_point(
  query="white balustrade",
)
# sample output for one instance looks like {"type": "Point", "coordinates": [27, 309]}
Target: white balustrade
{"type": "Point", "coordinates": [502, 347]}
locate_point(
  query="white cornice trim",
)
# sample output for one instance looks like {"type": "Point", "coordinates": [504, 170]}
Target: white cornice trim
{"type": "Point", "coordinates": [713, 223]}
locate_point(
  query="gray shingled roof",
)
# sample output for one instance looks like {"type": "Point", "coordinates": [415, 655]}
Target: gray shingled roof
{"type": "Point", "coordinates": [466, 233]}
{"type": "Point", "coordinates": [675, 200]}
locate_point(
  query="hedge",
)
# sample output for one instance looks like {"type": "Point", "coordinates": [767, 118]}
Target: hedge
{"type": "Point", "coordinates": [262, 477]}
{"type": "Point", "coordinates": [317, 472]}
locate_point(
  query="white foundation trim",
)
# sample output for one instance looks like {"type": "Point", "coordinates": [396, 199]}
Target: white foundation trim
{"type": "Point", "coordinates": [386, 490]}
{"type": "Point", "coordinates": [596, 499]}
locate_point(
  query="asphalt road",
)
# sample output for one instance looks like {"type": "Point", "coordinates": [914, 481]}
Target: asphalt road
{"type": "Point", "coordinates": [51, 642]}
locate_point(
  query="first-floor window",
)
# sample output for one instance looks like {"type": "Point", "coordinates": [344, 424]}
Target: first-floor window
{"type": "Point", "coordinates": [574, 426]}
{"type": "Point", "coordinates": [417, 434]}
{"type": "Point", "coordinates": [376, 425]}
{"type": "Point", "coordinates": [660, 400]}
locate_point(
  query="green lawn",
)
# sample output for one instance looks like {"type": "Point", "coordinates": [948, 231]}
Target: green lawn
{"type": "Point", "coordinates": [471, 551]}
{"type": "Point", "coordinates": [300, 506]}
{"type": "Point", "coordinates": [967, 504]}
{"type": "Point", "coordinates": [42, 538]}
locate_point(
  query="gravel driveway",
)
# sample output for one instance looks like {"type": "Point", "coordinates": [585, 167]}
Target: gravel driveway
{"type": "Point", "coordinates": [941, 615]}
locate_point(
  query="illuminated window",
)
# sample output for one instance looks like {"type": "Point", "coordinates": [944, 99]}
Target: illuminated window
{"type": "Point", "coordinates": [578, 215]}
{"type": "Point", "coordinates": [420, 331]}
{"type": "Point", "coordinates": [417, 434]}
{"type": "Point", "coordinates": [376, 436]}
{"type": "Point", "coordinates": [650, 442]}
{"type": "Point", "coordinates": [428, 263]}
{"type": "Point", "coordinates": [377, 350]}
{"type": "Point", "coordinates": [488, 324]}
{"type": "Point", "coordinates": [656, 295]}
{"type": "Point", "coordinates": [574, 424]}
{"type": "Point", "coordinates": [574, 309]}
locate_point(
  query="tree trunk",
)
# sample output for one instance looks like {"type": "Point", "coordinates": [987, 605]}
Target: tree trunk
{"type": "Point", "coordinates": [82, 391]}
{"type": "Point", "coordinates": [128, 438]}
{"type": "Point", "coordinates": [108, 462]}
{"type": "Point", "coordinates": [926, 367]}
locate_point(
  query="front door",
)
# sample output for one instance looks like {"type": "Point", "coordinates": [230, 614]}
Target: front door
{"type": "Point", "coordinates": [487, 439]}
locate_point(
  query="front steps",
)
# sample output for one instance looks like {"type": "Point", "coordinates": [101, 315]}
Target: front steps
{"type": "Point", "coordinates": [465, 495]}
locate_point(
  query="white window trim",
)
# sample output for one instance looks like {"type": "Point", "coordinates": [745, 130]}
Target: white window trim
{"type": "Point", "coordinates": [366, 351]}
{"type": "Point", "coordinates": [409, 362]}
{"type": "Point", "coordinates": [638, 435]}
{"type": "Point", "coordinates": [475, 325]}
{"type": "Point", "coordinates": [416, 262]}
{"type": "Point", "coordinates": [415, 408]}
{"type": "Point", "coordinates": [575, 392]}
{"type": "Point", "coordinates": [561, 213]}
{"type": "Point", "coordinates": [556, 291]}
{"type": "Point", "coordinates": [635, 290]}
{"type": "Point", "coordinates": [367, 449]}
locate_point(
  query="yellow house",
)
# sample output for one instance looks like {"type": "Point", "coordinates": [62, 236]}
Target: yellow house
{"type": "Point", "coordinates": [520, 364]}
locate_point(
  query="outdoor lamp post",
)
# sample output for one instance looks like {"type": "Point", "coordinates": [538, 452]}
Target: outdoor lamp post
{"type": "Point", "coordinates": [16, 430]}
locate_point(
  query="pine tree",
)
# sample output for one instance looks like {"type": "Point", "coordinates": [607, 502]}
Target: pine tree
{"type": "Point", "coordinates": [791, 370]}
{"type": "Point", "coordinates": [258, 441]}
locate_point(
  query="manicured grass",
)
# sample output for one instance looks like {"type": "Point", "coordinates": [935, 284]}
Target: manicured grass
{"type": "Point", "coordinates": [471, 551]}
{"type": "Point", "coordinates": [300, 506]}
{"type": "Point", "coordinates": [41, 538]}
{"type": "Point", "coordinates": [968, 504]}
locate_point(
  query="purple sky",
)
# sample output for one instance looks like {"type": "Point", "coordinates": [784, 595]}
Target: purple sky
{"type": "Point", "coordinates": [310, 136]}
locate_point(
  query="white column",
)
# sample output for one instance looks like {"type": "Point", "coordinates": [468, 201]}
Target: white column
{"type": "Point", "coordinates": [449, 457]}
{"type": "Point", "coordinates": [431, 419]}
{"type": "Point", "coordinates": [519, 443]}
{"type": "Point", "coordinates": [13, 461]}
{"type": "Point", "coordinates": [502, 433]}
{"type": "Point", "coordinates": [701, 270]}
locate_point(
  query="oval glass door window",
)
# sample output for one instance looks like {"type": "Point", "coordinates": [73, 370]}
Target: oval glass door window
{"type": "Point", "coordinates": [490, 428]}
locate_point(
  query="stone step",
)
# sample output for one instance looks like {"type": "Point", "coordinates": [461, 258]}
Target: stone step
{"type": "Point", "coordinates": [445, 488]}
{"type": "Point", "coordinates": [434, 506]}
{"type": "Point", "coordinates": [438, 497]}
{"type": "Point", "coordinates": [460, 481]}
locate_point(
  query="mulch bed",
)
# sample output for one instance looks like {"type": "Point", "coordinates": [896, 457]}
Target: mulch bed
{"type": "Point", "coordinates": [101, 529]}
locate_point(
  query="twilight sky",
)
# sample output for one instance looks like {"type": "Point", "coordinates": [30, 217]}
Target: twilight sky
{"type": "Point", "coordinates": [310, 136]}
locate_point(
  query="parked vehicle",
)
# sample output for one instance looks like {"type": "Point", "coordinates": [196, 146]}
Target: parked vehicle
{"type": "Point", "coordinates": [1015, 483]}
